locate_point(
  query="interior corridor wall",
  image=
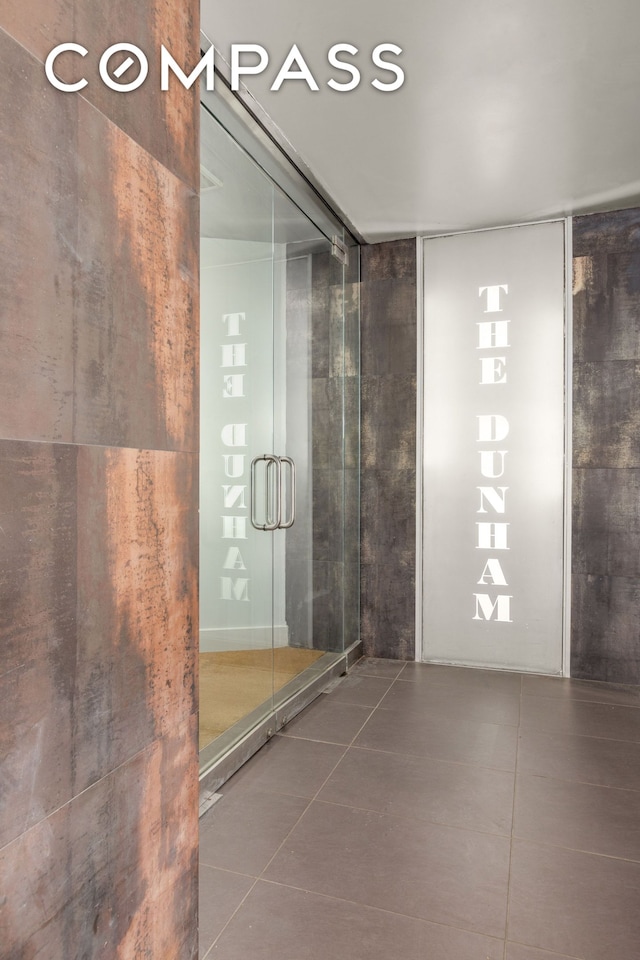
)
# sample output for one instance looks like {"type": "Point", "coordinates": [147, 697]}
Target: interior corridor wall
{"type": "Point", "coordinates": [98, 492]}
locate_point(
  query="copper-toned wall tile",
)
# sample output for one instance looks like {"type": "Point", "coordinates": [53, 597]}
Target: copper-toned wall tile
{"type": "Point", "coordinates": [111, 873]}
{"type": "Point", "coordinates": [154, 119]}
{"type": "Point", "coordinates": [100, 277]}
{"type": "Point", "coordinates": [37, 552]}
{"type": "Point", "coordinates": [98, 545]}
{"type": "Point", "coordinates": [137, 603]}
{"type": "Point", "coordinates": [136, 320]}
{"type": "Point", "coordinates": [37, 630]}
{"type": "Point", "coordinates": [39, 209]}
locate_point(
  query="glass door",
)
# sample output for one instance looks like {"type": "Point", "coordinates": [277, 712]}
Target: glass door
{"type": "Point", "coordinates": [237, 599]}
{"type": "Point", "coordinates": [279, 362]}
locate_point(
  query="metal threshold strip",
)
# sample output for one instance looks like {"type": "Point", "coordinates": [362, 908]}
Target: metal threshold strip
{"type": "Point", "coordinates": [220, 759]}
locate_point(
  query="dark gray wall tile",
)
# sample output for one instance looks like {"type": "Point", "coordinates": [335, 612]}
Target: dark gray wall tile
{"type": "Point", "coordinates": [328, 514]}
{"type": "Point", "coordinates": [606, 522]}
{"type": "Point", "coordinates": [388, 611]}
{"type": "Point", "coordinates": [328, 600]}
{"type": "Point", "coordinates": [388, 416]}
{"type": "Point", "coordinates": [612, 231]}
{"type": "Point", "coordinates": [606, 414]}
{"type": "Point", "coordinates": [606, 306]}
{"type": "Point", "coordinates": [389, 422]}
{"type": "Point", "coordinates": [389, 340]}
{"type": "Point", "coordinates": [395, 260]}
{"type": "Point", "coordinates": [605, 628]}
{"type": "Point", "coordinates": [606, 446]}
{"type": "Point", "coordinates": [388, 529]}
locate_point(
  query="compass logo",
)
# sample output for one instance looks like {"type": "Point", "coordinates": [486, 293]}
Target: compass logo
{"type": "Point", "coordinates": [245, 59]}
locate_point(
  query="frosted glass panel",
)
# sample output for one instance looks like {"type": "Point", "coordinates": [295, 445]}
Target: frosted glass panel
{"type": "Point", "coordinates": [494, 448]}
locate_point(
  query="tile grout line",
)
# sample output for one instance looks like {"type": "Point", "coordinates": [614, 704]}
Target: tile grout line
{"type": "Point", "coordinates": [385, 910]}
{"type": "Point", "coordinates": [406, 818]}
{"type": "Point", "coordinates": [583, 783]}
{"type": "Point", "coordinates": [222, 930]}
{"type": "Point", "coordinates": [587, 853]}
{"type": "Point", "coordinates": [544, 952]}
{"type": "Point", "coordinates": [601, 703]}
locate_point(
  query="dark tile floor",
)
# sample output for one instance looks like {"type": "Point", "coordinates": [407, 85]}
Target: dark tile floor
{"type": "Point", "coordinates": [422, 812]}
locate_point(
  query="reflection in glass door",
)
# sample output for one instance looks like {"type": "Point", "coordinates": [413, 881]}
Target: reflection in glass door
{"type": "Point", "coordinates": [279, 445]}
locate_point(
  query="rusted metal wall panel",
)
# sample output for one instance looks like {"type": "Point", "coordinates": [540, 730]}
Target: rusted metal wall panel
{"type": "Point", "coordinates": [99, 263]}
{"type": "Point", "coordinates": [161, 123]}
{"type": "Point", "coordinates": [388, 484]}
{"type": "Point", "coordinates": [98, 493]}
{"type": "Point", "coordinates": [605, 638]}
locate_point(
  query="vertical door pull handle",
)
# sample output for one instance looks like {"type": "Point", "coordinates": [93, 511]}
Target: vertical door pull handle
{"type": "Point", "coordinates": [285, 524]}
{"type": "Point", "coordinates": [272, 493]}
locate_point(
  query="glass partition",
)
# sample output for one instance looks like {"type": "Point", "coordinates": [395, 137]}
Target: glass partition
{"type": "Point", "coordinates": [279, 444]}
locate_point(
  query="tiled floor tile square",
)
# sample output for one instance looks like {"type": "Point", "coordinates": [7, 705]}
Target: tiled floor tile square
{"type": "Point", "coordinates": [280, 923]}
{"type": "Point", "coordinates": [460, 795]}
{"type": "Point", "coordinates": [287, 765]}
{"type": "Point", "coordinates": [582, 717]}
{"type": "Point", "coordinates": [575, 904]}
{"type": "Point", "coordinates": [329, 721]}
{"type": "Point", "coordinates": [471, 703]}
{"type": "Point", "coordinates": [614, 763]}
{"type": "Point", "coordinates": [367, 691]}
{"type": "Point", "coordinates": [463, 678]}
{"type": "Point", "coordinates": [243, 832]}
{"type": "Point", "coordinates": [567, 689]}
{"type": "Point", "coordinates": [424, 870]}
{"type": "Point", "coordinates": [441, 738]}
{"type": "Point", "coordinates": [375, 667]}
{"type": "Point", "coordinates": [220, 894]}
{"type": "Point", "coordinates": [582, 816]}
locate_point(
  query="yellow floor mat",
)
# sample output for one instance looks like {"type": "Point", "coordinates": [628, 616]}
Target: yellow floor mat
{"type": "Point", "coordinates": [235, 682]}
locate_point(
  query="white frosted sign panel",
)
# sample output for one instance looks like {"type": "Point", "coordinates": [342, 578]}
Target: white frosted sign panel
{"type": "Point", "coordinates": [494, 448]}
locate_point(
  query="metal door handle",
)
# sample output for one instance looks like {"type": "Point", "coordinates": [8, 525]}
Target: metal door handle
{"type": "Point", "coordinates": [272, 498]}
{"type": "Point", "coordinates": [273, 493]}
{"type": "Point", "coordinates": [285, 524]}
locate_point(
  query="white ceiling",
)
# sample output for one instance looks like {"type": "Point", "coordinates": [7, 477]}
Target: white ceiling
{"type": "Point", "coordinates": [512, 110]}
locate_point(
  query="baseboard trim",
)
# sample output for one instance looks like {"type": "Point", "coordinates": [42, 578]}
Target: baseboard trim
{"type": "Point", "coordinates": [218, 639]}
